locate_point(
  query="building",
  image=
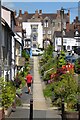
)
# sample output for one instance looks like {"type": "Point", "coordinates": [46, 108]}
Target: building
{"type": "Point", "coordinates": [19, 60]}
{"type": "Point", "coordinates": [8, 43]}
{"type": "Point", "coordinates": [69, 40]}
{"type": "Point", "coordinates": [40, 26]}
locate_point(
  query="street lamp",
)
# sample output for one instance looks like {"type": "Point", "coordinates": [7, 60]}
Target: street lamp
{"type": "Point", "coordinates": [62, 16]}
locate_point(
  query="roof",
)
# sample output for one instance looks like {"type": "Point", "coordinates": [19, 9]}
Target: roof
{"type": "Point", "coordinates": [8, 9]}
{"type": "Point", "coordinates": [6, 25]}
{"type": "Point", "coordinates": [27, 16]}
{"type": "Point", "coordinates": [12, 11]}
{"type": "Point", "coordinates": [18, 29]}
{"type": "Point", "coordinates": [68, 34]}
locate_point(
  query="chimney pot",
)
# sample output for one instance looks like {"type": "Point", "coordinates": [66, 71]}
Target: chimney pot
{"type": "Point", "coordinates": [26, 13]}
{"type": "Point", "coordinates": [20, 12]}
{"type": "Point", "coordinates": [58, 13]}
{"type": "Point", "coordinates": [40, 12]}
{"type": "Point", "coordinates": [36, 11]}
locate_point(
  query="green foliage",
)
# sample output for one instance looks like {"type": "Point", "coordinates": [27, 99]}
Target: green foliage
{"type": "Point", "coordinates": [48, 91]}
{"type": "Point", "coordinates": [25, 55]}
{"type": "Point", "coordinates": [47, 76]}
{"type": "Point", "coordinates": [67, 88]}
{"type": "Point", "coordinates": [61, 60]}
{"type": "Point", "coordinates": [48, 52]}
{"type": "Point", "coordinates": [77, 66]}
{"type": "Point", "coordinates": [48, 64]}
{"type": "Point", "coordinates": [8, 93]}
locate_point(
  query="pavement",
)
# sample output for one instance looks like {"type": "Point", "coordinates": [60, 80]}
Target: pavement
{"type": "Point", "coordinates": [40, 107]}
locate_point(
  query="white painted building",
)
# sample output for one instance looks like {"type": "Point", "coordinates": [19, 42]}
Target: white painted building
{"type": "Point", "coordinates": [34, 31]}
{"type": "Point", "coordinates": [8, 38]}
{"type": "Point", "coordinates": [69, 41]}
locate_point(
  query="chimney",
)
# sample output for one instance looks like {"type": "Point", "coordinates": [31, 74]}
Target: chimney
{"type": "Point", "coordinates": [40, 12]}
{"type": "Point", "coordinates": [15, 13]}
{"type": "Point", "coordinates": [58, 13]}
{"type": "Point", "coordinates": [25, 13]}
{"type": "Point", "coordinates": [67, 26]}
{"type": "Point", "coordinates": [36, 14]}
{"type": "Point", "coordinates": [76, 18]}
{"type": "Point", "coordinates": [68, 16]}
{"type": "Point", "coordinates": [20, 12]}
{"type": "Point", "coordinates": [69, 13]}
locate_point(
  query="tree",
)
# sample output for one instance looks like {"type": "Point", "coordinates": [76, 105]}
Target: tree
{"type": "Point", "coordinates": [61, 59]}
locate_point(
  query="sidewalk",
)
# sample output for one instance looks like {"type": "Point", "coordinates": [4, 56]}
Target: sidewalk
{"type": "Point", "coordinates": [41, 109]}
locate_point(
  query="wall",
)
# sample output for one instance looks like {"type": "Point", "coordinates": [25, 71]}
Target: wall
{"type": "Point", "coordinates": [6, 15]}
{"type": "Point", "coordinates": [27, 26]}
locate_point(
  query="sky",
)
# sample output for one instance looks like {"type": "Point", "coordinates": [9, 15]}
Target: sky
{"type": "Point", "coordinates": [46, 7]}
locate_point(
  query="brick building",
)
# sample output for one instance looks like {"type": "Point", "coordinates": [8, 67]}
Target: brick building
{"type": "Point", "coordinates": [40, 26]}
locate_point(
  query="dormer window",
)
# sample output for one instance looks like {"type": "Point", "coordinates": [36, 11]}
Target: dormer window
{"type": "Point", "coordinates": [63, 32]}
{"type": "Point", "coordinates": [76, 33]}
{"type": "Point", "coordinates": [46, 23]}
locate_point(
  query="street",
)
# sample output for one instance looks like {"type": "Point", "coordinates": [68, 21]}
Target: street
{"type": "Point", "coordinates": [40, 107]}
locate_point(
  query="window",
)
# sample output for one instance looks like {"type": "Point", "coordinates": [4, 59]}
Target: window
{"type": "Point", "coordinates": [34, 29]}
{"type": "Point", "coordinates": [44, 32]}
{"type": "Point", "coordinates": [65, 41]}
{"type": "Point", "coordinates": [46, 23]}
{"type": "Point", "coordinates": [53, 24]}
{"type": "Point", "coordinates": [49, 32]}
{"type": "Point", "coordinates": [34, 45]}
{"type": "Point", "coordinates": [34, 37]}
{"type": "Point", "coordinates": [58, 24]}
{"type": "Point", "coordinates": [68, 47]}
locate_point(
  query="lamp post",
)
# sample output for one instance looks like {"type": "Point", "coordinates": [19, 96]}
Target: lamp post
{"type": "Point", "coordinates": [62, 16]}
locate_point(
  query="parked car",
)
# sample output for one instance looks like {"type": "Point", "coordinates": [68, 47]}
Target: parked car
{"type": "Point", "coordinates": [36, 51]}
{"type": "Point", "coordinates": [71, 59]}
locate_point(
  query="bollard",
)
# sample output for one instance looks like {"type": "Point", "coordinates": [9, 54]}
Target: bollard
{"type": "Point", "coordinates": [78, 109]}
{"type": "Point", "coordinates": [31, 109]}
{"type": "Point", "coordinates": [62, 109]}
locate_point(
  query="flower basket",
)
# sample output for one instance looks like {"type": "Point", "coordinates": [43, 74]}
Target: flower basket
{"type": "Point", "coordinates": [71, 115]}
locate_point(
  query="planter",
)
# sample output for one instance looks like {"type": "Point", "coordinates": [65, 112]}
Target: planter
{"type": "Point", "coordinates": [71, 115]}
{"type": "Point", "coordinates": [2, 114]}
{"type": "Point", "coordinates": [8, 111]}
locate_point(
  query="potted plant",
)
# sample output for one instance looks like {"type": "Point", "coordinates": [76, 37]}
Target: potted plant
{"type": "Point", "coordinates": [8, 94]}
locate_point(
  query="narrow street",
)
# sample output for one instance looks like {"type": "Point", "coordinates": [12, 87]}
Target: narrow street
{"type": "Point", "coordinates": [40, 107]}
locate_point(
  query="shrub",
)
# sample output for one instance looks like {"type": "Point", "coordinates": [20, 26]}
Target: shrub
{"type": "Point", "coordinates": [48, 91]}
{"type": "Point", "coordinates": [8, 93]}
{"type": "Point", "coordinates": [25, 55]}
{"type": "Point", "coordinates": [67, 88]}
{"type": "Point", "coordinates": [77, 66]}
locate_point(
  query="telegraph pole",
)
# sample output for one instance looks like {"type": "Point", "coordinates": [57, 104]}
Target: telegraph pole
{"type": "Point", "coordinates": [62, 16]}
{"type": "Point", "coordinates": [0, 41]}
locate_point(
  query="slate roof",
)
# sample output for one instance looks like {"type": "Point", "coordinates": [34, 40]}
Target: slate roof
{"type": "Point", "coordinates": [52, 16]}
{"type": "Point", "coordinates": [68, 34]}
